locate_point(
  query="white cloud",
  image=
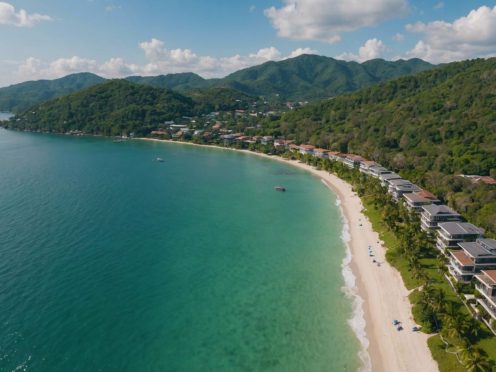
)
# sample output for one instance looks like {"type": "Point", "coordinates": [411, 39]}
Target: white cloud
{"type": "Point", "coordinates": [398, 37]}
{"type": "Point", "coordinates": [21, 18]}
{"type": "Point", "coordinates": [326, 20]}
{"type": "Point", "coordinates": [470, 36]}
{"type": "Point", "coordinates": [252, 8]}
{"type": "Point", "coordinates": [373, 48]}
{"type": "Point", "coordinates": [160, 60]}
{"type": "Point", "coordinates": [299, 51]}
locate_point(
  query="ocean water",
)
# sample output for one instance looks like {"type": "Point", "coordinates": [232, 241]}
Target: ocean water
{"type": "Point", "coordinates": [111, 261]}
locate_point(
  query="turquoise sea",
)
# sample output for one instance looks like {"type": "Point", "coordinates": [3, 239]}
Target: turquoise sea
{"type": "Point", "coordinates": [111, 261]}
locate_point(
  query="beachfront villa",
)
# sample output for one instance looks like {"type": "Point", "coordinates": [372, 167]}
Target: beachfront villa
{"type": "Point", "coordinates": [282, 143]}
{"type": "Point", "coordinates": [416, 200]}
{"type": "Point", "coordinates": [334, 155]}
{"type": "Point", "coordinates": [388, 177]}
{"type": "Point", "coordinates": [306, 149]}
{"type": "Point", "coordinates": [486, 286]}
{"type": "Point", "coordinates": [321, 153]}
{"type": "Point", "coordinates": [452, 233]}
{"type": "Point", "coordinates": [377, 170]}
{"type": "Point", "coordinates": [267, 140]}
{"type": "Point", "coordinates": [399, 187]}
{"type": "Point", "coordinates": [353, 161]}
{"type": "Point", "coordinates": [365, 165]}
{"type": "Point", "coordinates": [434, 214]}
{"type": "Point", "coordinates": [472, 258]}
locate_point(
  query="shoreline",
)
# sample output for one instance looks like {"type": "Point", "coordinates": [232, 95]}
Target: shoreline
{"type": "Point", "coordinates": [377, 292]}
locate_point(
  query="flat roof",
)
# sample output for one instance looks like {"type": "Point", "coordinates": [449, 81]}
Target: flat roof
{"type": "Point", "coordinates": [462, 258]}
{"type": "Point", "coordinates": [475, 249]}
{"type": "Point", "coordinates": [407, 187]}
{"type": "Point", "coordinates": [460, 228]}
{"type": "Point", "coordinates": [390, 176]}
{"type": "Point", "coordinates": [442, 209]}
{"type": "Point", "coordinates": [399, 181]}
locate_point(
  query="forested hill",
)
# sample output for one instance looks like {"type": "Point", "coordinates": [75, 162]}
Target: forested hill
{"type": "Point", "coordinates": [431, 126]}
{"type": "Point", "coordinates": [312, 77]}
{"type": "Point", "coordinates": [303, 78]}
{"type": "Point", "coordinates": [119, 106]}
{"type": "Point", "coordinates": [110, 109]}
{"type": "Point", "coordinates": [20, 97]}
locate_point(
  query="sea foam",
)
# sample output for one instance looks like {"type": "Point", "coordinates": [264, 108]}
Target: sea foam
{"type": "Point", "coordinates": [357, 320]}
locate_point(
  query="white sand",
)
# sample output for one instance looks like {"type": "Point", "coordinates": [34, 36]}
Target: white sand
{"type": "Point", "coordinates": [381, 287]}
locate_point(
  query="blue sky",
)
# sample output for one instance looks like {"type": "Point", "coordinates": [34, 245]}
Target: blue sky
{"type": "Point", "coordinates": [114, 38]}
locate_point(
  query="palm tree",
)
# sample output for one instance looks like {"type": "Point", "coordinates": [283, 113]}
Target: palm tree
{"type": "Point", "coordinates": [475, 361]}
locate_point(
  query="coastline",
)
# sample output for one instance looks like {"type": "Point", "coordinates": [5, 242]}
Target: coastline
{"type": "Point", "coordinates": [377, 292]}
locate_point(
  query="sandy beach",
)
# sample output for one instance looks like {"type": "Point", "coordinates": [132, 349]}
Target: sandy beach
{"type": "Point", "coordinates": [384, 295]}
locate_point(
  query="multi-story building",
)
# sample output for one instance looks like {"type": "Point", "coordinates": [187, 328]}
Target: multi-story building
{"type": "Point", "coordinates": [399, 187]}
{"type": "Point", "coordinates": [416, 200]}
{"type": "Point", "coordinates": [486, 286]}
{"type": "Point", "coordinates": [472, 258]}
{"type": "Point", "coordinates": [434, 214]}
{"type": "Point", "coordinates": [450, 234]}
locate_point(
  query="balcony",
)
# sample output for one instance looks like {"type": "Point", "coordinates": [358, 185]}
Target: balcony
{"type": "Point", "coordinates": [489, 306]}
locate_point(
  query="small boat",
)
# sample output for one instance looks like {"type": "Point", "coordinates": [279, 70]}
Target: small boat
{"type": "Point", "coordinates": [280, 188]}
{"type": "Point", "coordinates": [160, 160]}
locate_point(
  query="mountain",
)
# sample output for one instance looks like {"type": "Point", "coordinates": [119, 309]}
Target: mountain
{"type": "Point", "coordinates": [430, 127]}
{"type": "Point", "coordinates": [312, 77]}
{"type": "Point", "coordinates": [20, 97]}
{"type": "Point", "coordinates": [118, 106]}
{"type": "Point", "coordinates": [181, 81]}
{"type": "Point", "coordinates": [303, 78]}
{"type": "Point", "coordinates": [110, 108]}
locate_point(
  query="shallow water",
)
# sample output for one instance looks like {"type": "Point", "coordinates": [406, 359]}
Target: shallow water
{"type": "Point", "coordinates": [112, 261]}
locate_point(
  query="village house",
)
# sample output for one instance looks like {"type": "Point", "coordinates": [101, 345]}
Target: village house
{"type": "Point", "coordinates": [321, 153]}
{"type": "Point", "coordinates": [293, 148]}
{"type": "Point", "coordinates": [282, 143]}
{"type": "Point", "coordinates": [267, 140]}
{"type": "Point", "coordinates": [306, 149]}
{"type": "Point", "coordinates": [450, 234]}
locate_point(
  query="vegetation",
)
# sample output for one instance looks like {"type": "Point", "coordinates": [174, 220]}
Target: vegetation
{"type": "Point", "coordinates": [311, 77]}
{"type": "Point", "coordinates": [429, 127]}
{"type": "Point", "coordinates": [114, 108]}
{"type": "Point", "coordinates": [303, 78]}
{"type": "Point", "coordinates": [20, 97]}
{"type": "Point", "coordinates": [461, 342]}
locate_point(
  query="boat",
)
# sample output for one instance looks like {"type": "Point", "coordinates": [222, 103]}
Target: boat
{"type": "Point", "coordinates": [280, 188]}
{"type": "Point", "coordinates": [160, 160]}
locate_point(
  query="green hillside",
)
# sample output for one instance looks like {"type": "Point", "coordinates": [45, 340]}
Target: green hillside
{"type": "Point", "coordinates": [182, 81]}
{"type": "Point", "coordinates": [112, 108]}
{"type": "Point", "coordinates": [20, 97]}
{"type": "Point", "coordinates": [311, 77]}
{"type": "Point", "coordinates": [430, 127]}
{"type": "Point", "coordinates": [304, 78]}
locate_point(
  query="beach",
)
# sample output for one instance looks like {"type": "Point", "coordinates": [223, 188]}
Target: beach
{"type": "Point", "coordinates": [380, 288]}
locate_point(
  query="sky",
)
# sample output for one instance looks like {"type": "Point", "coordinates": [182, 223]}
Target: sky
{"type": "Point", "coordinates": [115, 38]}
